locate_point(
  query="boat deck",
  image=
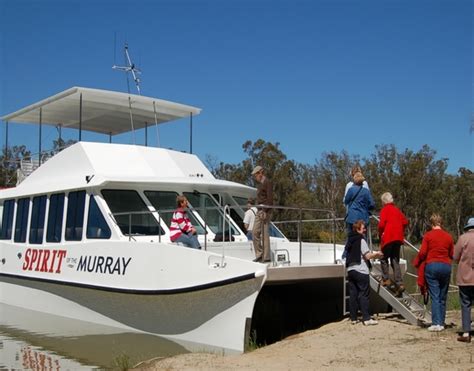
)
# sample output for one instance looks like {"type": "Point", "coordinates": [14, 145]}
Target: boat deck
{"type": "Point", "coordinates": [288, 274]}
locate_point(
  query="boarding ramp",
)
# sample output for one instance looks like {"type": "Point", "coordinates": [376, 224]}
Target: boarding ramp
{"type": "Point", "coordinates": [405, 304]}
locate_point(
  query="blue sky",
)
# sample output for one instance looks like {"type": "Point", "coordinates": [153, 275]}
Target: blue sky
{"type": "Point", "coordinates": [314, 75]}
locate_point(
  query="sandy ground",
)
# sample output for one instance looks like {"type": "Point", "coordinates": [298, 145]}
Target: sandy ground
{"type": "Point", "coordinates": [392, 344]}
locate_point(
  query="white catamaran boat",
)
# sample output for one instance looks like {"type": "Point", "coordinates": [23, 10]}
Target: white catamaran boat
{"type": "Point", "coordinates": [86, 235]}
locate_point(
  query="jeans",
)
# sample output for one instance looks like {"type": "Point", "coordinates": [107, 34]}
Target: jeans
{"type": "Point", "coordinates": [189, 240]}
{"type": "Point", "coordinates": [391, 251]}
{"type": "Point", "coordinates": [466, 294]}
{"type": "Point", "coordinates": [358, 294]}
{"type": "Point", "coordinates": [437, 277]}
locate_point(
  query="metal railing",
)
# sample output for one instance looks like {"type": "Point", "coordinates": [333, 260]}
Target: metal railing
{"type": "Point", "coordinates": [227, 220]}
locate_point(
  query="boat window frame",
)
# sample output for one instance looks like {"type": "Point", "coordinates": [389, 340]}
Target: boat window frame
{"type": "Point", "coordinates": [104, 231]}
{"type": "Point", "coordinates": [75, 215]}
{"type": "Point", "coordinates": [37, 220]}
{"type": "Point", "coordinates": [145, 211]}
{"type": "Point", "coordinates": [6, 227]}
{"type": "Point", "coordinates": [58, 218]}
{"type": "Point", "coordinates": [21, 226]}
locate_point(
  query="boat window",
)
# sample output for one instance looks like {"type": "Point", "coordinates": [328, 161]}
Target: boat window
{"type": "Point", "coordinates": [242, 201]}
{"type": "Point", "coordinates": [162, 200]}
{"type": "Point", "coordinates": [7, 220]}
{"type": "Point", "coordinates": [208, 210]}
{"type": "Point", "coordinates": [96, 225]}
{"type": "Point", "coordinates": [131, 213]}
{"type": "Point", "coordinates": [75, 215]}
{"type": "Point", "coordinates": [21, 219]}
{"type": "Point", "coordinates": [55, 217]}
{"type": "Point", "coordinates": [37, 220]}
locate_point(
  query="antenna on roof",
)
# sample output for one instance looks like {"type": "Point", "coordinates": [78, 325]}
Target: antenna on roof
{"type": "Point", "coordinates": [130, 67]}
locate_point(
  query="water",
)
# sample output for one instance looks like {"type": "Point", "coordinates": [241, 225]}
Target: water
{"type": "Point", "coordinates": [38, 341]}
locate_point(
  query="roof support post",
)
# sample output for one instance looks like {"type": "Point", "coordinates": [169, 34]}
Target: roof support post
{"type": "Point", "coordinates": [6, 139]}
{"type": "Point", "coordinates": [190, 132]}
{"type": "Point", "coordinates": [110, 137]}
{"type": "Point", "coordinates": [156, 126]}
{"type": "Point", "coordinates": [146, 134]}
{"type": "Point", "coordinates": [5, 167]}
{"type": "Point", "coordinates": [131, 118]}
{"type": "Point", "coordinates": [80, 117]}
{"type": "Point", "coordinates": [40, 128]}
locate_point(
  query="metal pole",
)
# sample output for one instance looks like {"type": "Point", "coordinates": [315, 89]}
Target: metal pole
{"type": "Point", "coordinates": [80, 117]}
{"type": "Point", "coordinates": [40, 127]}
{"type": "Point", "coordinates": [334, 234]}
{"type": "Point", "coordinates": [146, 134]}
{"type": "Point", "coordinates": [299, 236]}
{"type": "Point", "coordinates": [131, 118]}
{"type": "Point", "coordinates": [156, 126]}
{"type": "Point", "coordinates": [190, 132]}
{"type": "Point", "coordinates": [110, 137]}
{"type": "Point", "coordinates": [6, 153]}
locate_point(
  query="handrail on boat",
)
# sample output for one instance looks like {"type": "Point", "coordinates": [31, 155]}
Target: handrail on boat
{"type": "Point", "coordinates": [227, 220]}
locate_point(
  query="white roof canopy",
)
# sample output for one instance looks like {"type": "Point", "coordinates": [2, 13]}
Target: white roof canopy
{"type": "Point", "coordinates": [101, 111]}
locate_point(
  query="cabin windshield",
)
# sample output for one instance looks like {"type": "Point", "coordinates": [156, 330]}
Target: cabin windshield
{"type": "Point", "coordinates": [164, 202]}
{"type": "Point", "coordinates": [131, 213]}
{"type": "Point", "coordinates": [209, 211]}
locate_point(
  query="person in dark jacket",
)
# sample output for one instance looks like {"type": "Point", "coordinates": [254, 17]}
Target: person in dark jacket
{"type": "Point", "coordinates": [392, 234]}
{"type": "Point", "coordinates": [261, 226]}
{"type": "Point", "coordinates": [358, 254]}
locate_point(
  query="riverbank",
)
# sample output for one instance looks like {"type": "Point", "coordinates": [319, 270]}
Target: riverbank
{"type": "Point", "coordinates": [392, 344]}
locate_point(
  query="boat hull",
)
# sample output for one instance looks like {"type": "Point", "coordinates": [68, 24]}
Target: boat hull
{"type": "Point", "coordinates": [175, 292]}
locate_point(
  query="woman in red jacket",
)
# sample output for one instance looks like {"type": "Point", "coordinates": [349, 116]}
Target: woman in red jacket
{"type": "Point", "coordinates": [437, 251]}
{"type": "Point", "coordinates": [391, 229]}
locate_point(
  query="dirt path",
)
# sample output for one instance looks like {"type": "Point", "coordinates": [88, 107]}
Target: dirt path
{"type": "Point", "coordinates": [393, 344]}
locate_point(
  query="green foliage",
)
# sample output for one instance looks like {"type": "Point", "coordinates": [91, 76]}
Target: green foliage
{"type": "Point", "coordinates": [418, 181]}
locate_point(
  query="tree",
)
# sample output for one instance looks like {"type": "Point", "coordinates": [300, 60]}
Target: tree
{"type": "Point", "coordinates": [10, 161]}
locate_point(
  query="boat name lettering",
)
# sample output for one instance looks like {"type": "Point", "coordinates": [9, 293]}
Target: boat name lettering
{"type": "Point", "coordinates": [103, 264]}
{"type": "Point", "coordinates": [43, 260]}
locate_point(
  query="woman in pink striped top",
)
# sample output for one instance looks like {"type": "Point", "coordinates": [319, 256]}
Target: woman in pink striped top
{"type": "Point", "coordinates": [181, 228]}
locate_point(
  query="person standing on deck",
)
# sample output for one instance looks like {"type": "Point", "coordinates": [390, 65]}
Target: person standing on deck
{"type": "Point", "coordinates": [355, 169]}
{"type": "Point", "coordinates": [261, 236]}
{"type": "Point", "coordinates": [392, 234]}
{"type": "Point", "coordinates": [464, 256]}
{"type": "Point", "coordinates": [359, 202]}
{"type": "Point", "coordinates": [249, 218]}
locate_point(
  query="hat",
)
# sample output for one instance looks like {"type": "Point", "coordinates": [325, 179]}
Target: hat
{"type": "Point", "coordinates": [257, 169]}
{"type": "Point", "coordinates": [470, 224]}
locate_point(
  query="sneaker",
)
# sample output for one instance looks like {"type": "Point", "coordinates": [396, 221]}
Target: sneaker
{"type": "Point", "coordinates": [257, 260]}
{"type": "Point", "coordinates": [435, 328]}
{"type": "Point", "coordinates": [370, 322]}
{"type": "Point", "coordinates": [353, 322]}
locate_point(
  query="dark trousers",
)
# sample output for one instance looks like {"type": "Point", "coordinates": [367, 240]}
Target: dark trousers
{"type": "Point", "coordinates": [466, 294]}
{"type": "Point", "coordinates": [392, 251]}
{"type": "Point", "coordinates": [358, 295]}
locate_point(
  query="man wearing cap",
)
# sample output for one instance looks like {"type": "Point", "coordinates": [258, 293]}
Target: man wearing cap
{"type": "Point", "coordinates": [464, 256]}
{"type": "Point", "coordinates": [261, 237]}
